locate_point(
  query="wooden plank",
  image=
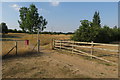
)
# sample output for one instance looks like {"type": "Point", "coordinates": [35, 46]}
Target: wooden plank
{"type": "Point", "coordinates": [95, 57]}
{"type": "Point", "coordinates": [76, 42]}
{"type": "Point", "coordinates": [9, 51]}
{"type": "Point", "coordinates": [64, 43]}
{"type": "Point", "coordinates": [87, 54]}
{"type": "Point", "coordinates": [57, 43]}
{"type": "Point", "coordinates": [106, 49]}
{"type": "Point", "coordinates": [106, 44]}
{"type": "Point", "coordinates": [81, 46]}
{"type": "Point", "coordinates": [90, 47]}
{"type": "Point", "coordinates": [34, 46]}
{"type": "Point", "coordinates": [67, 48]}
{"type": "Point", "coordinates": [89, 43]}
{"type": "Point", "coordinates": [67, 44]}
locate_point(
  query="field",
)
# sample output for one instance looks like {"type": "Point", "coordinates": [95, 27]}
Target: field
{"type": "Point", "coordinates": [49, 63]}
{"type": "Point", "coordinates": [45, 40]}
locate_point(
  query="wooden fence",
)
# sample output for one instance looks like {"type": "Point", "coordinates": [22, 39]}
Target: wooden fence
{"type": "Point", "coordinates": [14, 47]}
{"type": "Point", "coordinates": [18, 45]}
{"type": "Point", "coordinates": [74, 45]}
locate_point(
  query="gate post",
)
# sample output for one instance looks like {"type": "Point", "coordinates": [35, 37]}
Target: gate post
{"type": "Point", "coordinates": [73, 47]}
{"type": "Point", "coordinates": [60, 44]}
{"type": "Point", "coordinates": [53, 43]}
{"type": "Point", "coordinates": [38, 46]}
{"type": "Point", "coordinates": [16, 47]}
{"type": "Point", "coordinates": [91, 48]}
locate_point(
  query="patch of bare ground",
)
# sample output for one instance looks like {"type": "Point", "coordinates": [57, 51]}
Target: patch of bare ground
{"type": "Point", "coordinates": [55, 64]}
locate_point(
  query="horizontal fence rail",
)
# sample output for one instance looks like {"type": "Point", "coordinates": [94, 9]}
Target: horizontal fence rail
{"type": "Point", "coordinates": [74, 45]}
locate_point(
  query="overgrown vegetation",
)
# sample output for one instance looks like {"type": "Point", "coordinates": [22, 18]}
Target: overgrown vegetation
{"type": "Point", "coordinates": [93, 31]}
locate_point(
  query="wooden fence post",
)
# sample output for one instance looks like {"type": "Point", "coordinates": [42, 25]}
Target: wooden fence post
{"type": "Point", "coordinates": [16, 47]}
{"type": "Point", "coordinates": [53, 43]}
{"type": "Point", "coordinates": [72, 47]}
{"type": "Point", "coordinates": [60, 44]}
{"type": "Point", "coordinates": [38, 46]}
{"type": "Point", "coordinates": [91, 48]}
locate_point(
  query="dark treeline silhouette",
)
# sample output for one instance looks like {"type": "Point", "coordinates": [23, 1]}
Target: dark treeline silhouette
{"type": "Point", "coordinates": [3, 28]}
{"type": "Point", "coordinates": [45, 32]}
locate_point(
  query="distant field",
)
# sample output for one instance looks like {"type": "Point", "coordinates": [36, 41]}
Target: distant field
{"type": "Point", "coordinates": [45, 40]}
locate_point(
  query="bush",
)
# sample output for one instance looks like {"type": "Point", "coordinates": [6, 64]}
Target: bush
{"type": "Point", "coordinates": [88, 33]}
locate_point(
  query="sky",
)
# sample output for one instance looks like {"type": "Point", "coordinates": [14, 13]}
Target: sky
{"type": "Point", "coordinates": [63, 16]}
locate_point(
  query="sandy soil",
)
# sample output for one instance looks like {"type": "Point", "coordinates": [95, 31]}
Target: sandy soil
{"type": "Point", "coordinates": [55, 64]}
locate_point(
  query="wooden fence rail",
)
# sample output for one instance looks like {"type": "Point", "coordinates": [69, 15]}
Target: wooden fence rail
{"type": "Point", "coordinates": [72, 45]}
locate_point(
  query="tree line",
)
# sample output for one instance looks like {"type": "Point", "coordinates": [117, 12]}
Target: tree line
{"type": "Point", "coordinates": [4, 29]}
{"type": "Point", "coordinates": [93, 31]}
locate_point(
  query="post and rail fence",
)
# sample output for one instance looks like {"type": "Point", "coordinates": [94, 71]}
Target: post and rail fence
{"type": "Point", "coordinates": [74, 47]}
{"type": "Point", "coordinates": [18, 45]}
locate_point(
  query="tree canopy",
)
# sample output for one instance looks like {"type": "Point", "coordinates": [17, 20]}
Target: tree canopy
{"type": "Point", "coordinates": [30, 19]}
{"type": "Point", "coordinates": [96, 20]}
{"type": "Point", "coordinates": [92, 31]}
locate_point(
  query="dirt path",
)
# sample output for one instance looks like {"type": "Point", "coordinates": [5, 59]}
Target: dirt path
{"type": "Point", "coordinates": [53, 64]}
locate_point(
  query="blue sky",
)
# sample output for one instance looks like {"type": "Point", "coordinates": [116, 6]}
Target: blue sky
{"type": "Point", "coordinates": [63, 16]}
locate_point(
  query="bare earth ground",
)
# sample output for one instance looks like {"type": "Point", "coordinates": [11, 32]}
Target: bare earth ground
{"type": "Point", "coordinates": [55, 64]}
{"type": "Point", "coordinates": [49, 63]}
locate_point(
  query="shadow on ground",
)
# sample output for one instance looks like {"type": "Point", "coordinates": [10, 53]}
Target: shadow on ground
{"type": "Point", "coordinates": [7, 36]}
{"type": "Point", "coordinates": [11, 36]}
{"type": "Point", "coordinates": [24, 55]}
{"type": "Point", "coordinates": [9, 40]}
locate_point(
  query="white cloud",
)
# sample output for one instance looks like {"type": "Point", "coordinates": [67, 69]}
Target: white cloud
{"type": "Point", "coordinates": [55, 3]}
{"type": "Point", "coordinates": [15, 6]}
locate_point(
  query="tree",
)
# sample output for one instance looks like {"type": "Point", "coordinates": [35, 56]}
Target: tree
{"type": "Point", "coordinates": [96, 20]}
{"type": "Point", "coordinates": [30, 19]}
{"type": "Point", "coordinates": [23, 23]}
{"type": "Point", "coordinates": [3, 28]}
{"type": "Point", "coordinates": [82, 34]}
{"type": "Point", "coordinates": [115, 33]}
{"type": "Point", "coordinates": [104, 35]}
{"type": "Point", "coordinates": [92, 31]}
{"type": "Point", "coordinates": [42, 23]}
